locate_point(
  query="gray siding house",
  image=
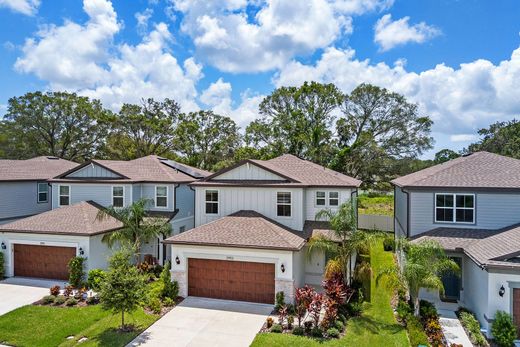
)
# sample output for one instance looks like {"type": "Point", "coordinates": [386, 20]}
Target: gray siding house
{"type": "Point", "coordinates": [24, 190]}
{"type": "Point", "coordinates": [471, 206]}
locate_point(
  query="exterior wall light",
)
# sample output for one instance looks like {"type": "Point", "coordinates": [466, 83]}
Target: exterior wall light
{"type": "Point", "coordinates": [282, 267]}
{"type": "Point", "coordinates": [501, 291]}
{"type": "Point", "coordinates": [177, 260]}
{"type": "Point", "coordinates": [81, 251]}
{"type": "Point", "coordinates": [4, 246]}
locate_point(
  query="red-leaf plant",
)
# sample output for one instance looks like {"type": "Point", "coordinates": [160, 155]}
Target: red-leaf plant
{"type": "Point", "coordinates": [282, 314]}
{"type": "Point", "coordinates": [303, 299]}
{"type": "Point", "coordinates": [331, 313]}
{"type": "Point", "coordinates": [315, 308]}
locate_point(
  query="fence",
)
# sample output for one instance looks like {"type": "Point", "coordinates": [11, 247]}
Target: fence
{"type": "Point", "coordinates": [376, 222]}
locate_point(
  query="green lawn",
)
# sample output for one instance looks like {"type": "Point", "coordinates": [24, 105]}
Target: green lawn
{"type": "Point", "coordinates": [380, 205]}
{"type": "Point", "coordinates": [50, 326]}
{"type": "Point", "coordinates": [376, 327]}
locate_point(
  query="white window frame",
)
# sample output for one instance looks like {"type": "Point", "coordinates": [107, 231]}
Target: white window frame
{"type": "Point", "coordinates": [166, 196]}
{"type": "Point", "coordinates": [284, 204]}
{"type": "Point", "coordinates": [38, 192]}
{"type": "Point", "coordinates": [324, 198]}
{"type": "Point", "coordinates": [455, 208]}
{"type": "Point", "coordinates": [60, 195]}
{"type": "Point", "coordinates": [329, 198]}
{"type": "Point", "coordinates": [213, 202]}
{"type": "Point", "coordinates": [118, 196]}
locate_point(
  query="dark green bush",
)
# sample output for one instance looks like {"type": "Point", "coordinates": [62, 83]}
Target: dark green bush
{"type": "Point", "coordinates": [71, 302]}
{"type": "Point", "coordinates": [339, 325]}
{"type": "Point", "coordinates": [298, 331]}
{"type": "Point", "coordinates": [307, 325]}
{"type": "Point", "coordinates": [48, 299]}
{"type": "Point", "coordinates": [76, 272]}
{"type": "Point", "coordinates": [95, 279]}
{"type": "Point", "coordinates": [92, 300]}
{"type": "Point", "coordinates": [342, 318]}
{"type": "Point", "coordinates": [427, 310]}
{"type": "Point", "coordinates": [403, 309]}
{"type": "Point", "coordinates": [60, 300]}
{"type": "Point", "coordinates": [472, 325]}
{"type": "Point", "coordinates": [415, 331]}
{"type": "Point", "coordinates": [389, 244]}
{"type": "Point", "coordinates": [280, 301]}
{"type": "Point", "coordinates": [170, 288]}
{"type": "Point", "coordinates": [503, 329]}
{"type": "Point", "coordinates": [276, 328]}
{"type": "Point", "coordinates": [333, 333]}
{"type": "Point", "coordinates": [316, 332]}
{"type": "Point", "coordinates": [354, 309]}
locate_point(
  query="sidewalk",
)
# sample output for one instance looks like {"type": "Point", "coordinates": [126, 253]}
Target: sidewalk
{"type": "Point", "coordinates": [452, 329]}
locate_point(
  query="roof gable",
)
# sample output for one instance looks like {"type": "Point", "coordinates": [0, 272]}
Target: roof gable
{"type": "Point", "coordinates": [92, 170]}
{"type": "Point", "coordinates": [248, 171]}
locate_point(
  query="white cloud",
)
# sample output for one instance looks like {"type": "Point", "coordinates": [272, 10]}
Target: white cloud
{"type": "Point", "coordinates": [27, 7]}
{"type": "Point", "coordinates": [459, 100]}
{"type": "Point", "coordinates": [463, 137]}
{"type": "Point", "coordinates": [142, 20]}
{"type": "Point", "coordinates": [84, 58]}
{"type": "Point", "coordinates": [218, 97]}
{"type": "Point", "coordinates": [389, 34]}
{"type": "Point", "coordinates": [234, 40]}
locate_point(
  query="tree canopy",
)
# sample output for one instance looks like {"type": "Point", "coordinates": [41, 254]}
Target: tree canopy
{"type": "Point", "coordinates": [501, 138]}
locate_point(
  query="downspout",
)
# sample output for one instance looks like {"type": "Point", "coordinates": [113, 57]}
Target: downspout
{"type": "Point", "coordinates": [353, 194]}
{"type": "Point", "coordinates": [408, 205]}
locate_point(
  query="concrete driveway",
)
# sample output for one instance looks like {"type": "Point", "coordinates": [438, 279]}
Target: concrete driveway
{"type": "Point", "coordinates": [206, 322]}
{"type": "Point", "coordinates": [17, 292]}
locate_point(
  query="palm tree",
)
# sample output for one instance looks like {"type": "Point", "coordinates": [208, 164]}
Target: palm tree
{"type": "Point", "coordinates": [423, 266]}
{"type": "Point", "coordinates": [138, 226]}
{"type": "Point", "coordinates": [347, 240]}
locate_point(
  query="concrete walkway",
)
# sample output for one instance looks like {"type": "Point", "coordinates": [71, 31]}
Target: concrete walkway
{"type": "Point", "coordinates": [16, 292]}
{"type": "Point", "coordinates": [206, 322]}
{"type": "Point", "coordinates": [452, 329]}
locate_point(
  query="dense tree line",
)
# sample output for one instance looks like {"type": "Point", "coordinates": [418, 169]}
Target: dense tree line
{"type": "Point", "coordinates": [372, 133]}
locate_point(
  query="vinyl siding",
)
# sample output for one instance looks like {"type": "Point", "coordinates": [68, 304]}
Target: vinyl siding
{"type": "Point", "coordinates": [148, 192]}
{"type": "Point", "coordinates": [401, 213]}
{"type": "Point", "coordinates": [261, 200]}
{"type": "Point", "coordinates": [493, 211]}
{"type": "Point", "coordinates": [310, 201]}
{"type": "Point", "coordinates": [18, 199]}
{"type": "Point", "coordinates": [93, 171]}
{"type": "Point", "coordinates": [249, 172]}
{"type": "Point", "coordinates": [100, 193]}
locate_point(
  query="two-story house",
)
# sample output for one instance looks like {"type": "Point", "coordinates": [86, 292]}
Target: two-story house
{"type": "Point", "coordinates": [252, 224]}
{"type": "Point", "coordinates": [41, 245]}
{"type": "Point", "coordinates": [471, 206]}
{"type": "Point", "coordinates": [24, 190]}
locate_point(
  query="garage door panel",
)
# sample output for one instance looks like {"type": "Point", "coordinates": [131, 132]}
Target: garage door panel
{"type": "Point", "coordinates": [42, 261]}
{"type": "Point", "coordinates": [231, 280]}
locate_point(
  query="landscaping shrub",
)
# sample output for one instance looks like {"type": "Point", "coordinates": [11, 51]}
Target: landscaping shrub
{"type": "Point", "coordinates": [2, 261]}
{"type": "Point", "coordinates": [303, 299]}
{"type": "Point", "coordinates": [170, 288]}
{"type": "Point", "coordinates": [71, 302]}
{"type": "Point", "coordinates": [333, 333]}
{"type": "Point", "coordinates": [55, 290]}
{"type": "Point", "coordinates": [433, 330]}
{"type": "Point", "coordinates": [282, 314]}
{"type": "Point", "coordinates": [472, 326]}
{"type": "Point", "coordinates": [276, 328]}
{"type": "Point", "coordinates": [503, 329]}
{"type": "Point", "coordinates": [307, 325]}
{"type": "Point", "coordinates": [290, 321]}
{"type": "Point", "coordinates": [427, 310]}
{"type": "Point", "coordinates": [291, 309]}
{"type": "Point", "coordinates": [389, 244]}
{"type": "Point", "coordinates": [155, 305]}
{"type": "Point", "coordinates": [403, 309]}
{"type": "Point", "coordinates": [76, 272]}
{"type": "Point", "coordinates": [316, 332]}
{"type": "Point", "coordinates": [48, 299]}
{"type": "Point", "coordinates": [416, 333]}
{"type": "Point", "coordinates": [269, 322]}
{"type": "Point", "coordinates": [60, 300]}
{"type": "Point", "coordinates": [67, 291]}
{"type": "Point", "coordinates": [342, 318]}
{"type": "Point", "coordinates": [92, 300]}
{"type": "Point", "coordinates": [315, 308]}
{"type": "Point", "coordinates": [298, 331]}
{"type": "Point", "coordinates": [168, 302]}
{"type": "Point", "coordinates": [95, 279]}
{"type": "Point", "coordinates": [280, 301]}
{"type": "Point", "coordinates": [354, 309]}
{"type": "Point", "coordinates": [339, 325]}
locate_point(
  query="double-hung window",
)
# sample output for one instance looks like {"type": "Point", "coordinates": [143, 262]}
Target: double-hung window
{"type": "Point", "coordinates": [283, 204]}
{"type": "Point", "coordinates": [118, 196]}
{"type": "Point", "coordinates": [327, 199]}
{"type": "Point", "coordinates": [161, 196]}
{"type": "Point", "coordinates": [333, 198]}
{"type": "Point", "coordinates": [455, 208]}
{"type": "Point", "coordinates": [211, 201]}
{"type": "Point", "coordinates": [43, 192]}
{"type": "Point", "coordinates": [320, 199]}
{"type": "Point", "coordinates": [64, 195]}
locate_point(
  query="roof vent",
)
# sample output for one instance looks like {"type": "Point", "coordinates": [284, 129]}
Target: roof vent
{"type": "Point", "coordinates": [468, 154]}
{"type": "Point", "coordinates": [52, 158]}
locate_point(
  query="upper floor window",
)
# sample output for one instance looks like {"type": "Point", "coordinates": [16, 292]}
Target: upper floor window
{"type": "Point", "coordinates": [118, 196]}
{"type": "Point", "coordinates": [320, 198]}
{"type": "Point", "coordinates": [333, 198]}
{"type": "Point", "coordinates": [182, 229]}
{"type": "Point", "coordinates": [283, 204]}
{"type": "Point", "coordinates": [455, 208]}
{"type": "Point", "coordinates": [43, 192]}
{"type": "Point", "coordinates": [211, 201]}
{"type": "Point", "coordinates": [161, 196]}
{"type": "Point", "coordinates": [64, 196]}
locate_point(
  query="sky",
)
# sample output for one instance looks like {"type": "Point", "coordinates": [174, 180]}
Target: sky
{"type": "Point", "coordinates": [459, 60]}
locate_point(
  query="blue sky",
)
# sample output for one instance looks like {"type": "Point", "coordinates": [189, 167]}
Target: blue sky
{"type": "Point", "coordinates": [459, 60]}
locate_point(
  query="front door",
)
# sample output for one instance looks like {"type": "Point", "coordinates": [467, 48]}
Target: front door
{"type": "Point", "coordinates": [452, 283]}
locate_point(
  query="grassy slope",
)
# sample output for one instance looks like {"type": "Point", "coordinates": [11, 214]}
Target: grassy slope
{"type": "Point", "coordinates": [50, 326]}
{"type": "Point", "coordinates": [380, 205]}
{"type": "Point", "coordinates": [376, 327]}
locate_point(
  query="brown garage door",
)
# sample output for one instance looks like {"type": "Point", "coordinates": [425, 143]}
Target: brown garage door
{"type": "Point", "coordinates": [516, 307]}
{"type": "Point", "coordinates": [42, 261]}
{"type": "Point", "coordinates": [231, 280]}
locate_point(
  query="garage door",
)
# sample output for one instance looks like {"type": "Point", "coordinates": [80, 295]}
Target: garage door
{"type": "Point", "coordinates": [516, 307]}
{"type": "Point", "coordinates": [42, 261]}
{"type": "Point", "coordinates": [231, 280]}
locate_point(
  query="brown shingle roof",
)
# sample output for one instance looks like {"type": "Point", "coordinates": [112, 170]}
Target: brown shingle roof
{"type": "Point", "coordinates": [246, 229]}
{"type": "Point", "coordinates": [146, 169]}
{"type": "Point", "coordinates": [296, 171]}
{"type": "Point", "coordinates": [319, 228]}
{"type": "Point", "coordinates": [477, 170]}
{"type": "Point", "coordinates": [79, 219]}
{"type": "Point", "coordinates": [35, 169]}
{"type": "Point", "coordinates": [485, 247]}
